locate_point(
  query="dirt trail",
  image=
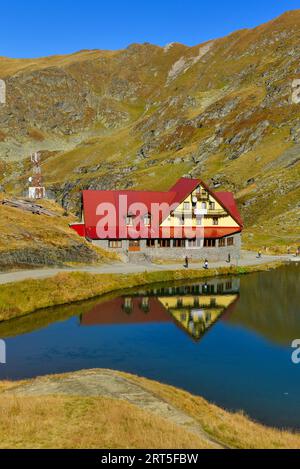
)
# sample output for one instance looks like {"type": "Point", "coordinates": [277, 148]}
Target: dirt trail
{"type": "Point", "coordinates": [247, 258]}
{"type": "Point", "coordinates": [109, 384]}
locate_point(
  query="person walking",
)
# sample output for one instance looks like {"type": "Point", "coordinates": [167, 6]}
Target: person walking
{"type": "Point", "coordinates": [186, 262]}
{"type": "Point", "coordinates": [205, 264]}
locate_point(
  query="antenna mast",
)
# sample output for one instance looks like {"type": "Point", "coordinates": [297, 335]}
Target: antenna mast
{"type": "Point", "coordinates": [36, 190]}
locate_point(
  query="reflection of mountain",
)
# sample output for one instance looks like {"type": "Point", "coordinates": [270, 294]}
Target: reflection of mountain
{"type": "Point", "coordinates": [194, 308]}
{"type": "Point", "coordinates": [269, 304]}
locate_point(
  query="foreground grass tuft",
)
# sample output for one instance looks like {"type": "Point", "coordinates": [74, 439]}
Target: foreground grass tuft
{"type": "Point", "coordinates": [77, 422]}
{"type": "Point", "coordinates": [234, 430]}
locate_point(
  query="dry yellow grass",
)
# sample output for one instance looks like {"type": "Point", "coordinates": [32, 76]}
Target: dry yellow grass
{"type": "Point", "coordinates": [77, 423]}
{"type": "Point", "coordinates": [24, 230]}
{"type": "Point", "coordinates": [232, 429]}
{"type": "Point", "coordinates": [96, 422]}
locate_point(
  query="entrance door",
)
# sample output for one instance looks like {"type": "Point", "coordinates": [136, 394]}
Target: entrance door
{"type": "Point", "coordinates": [134, 245]}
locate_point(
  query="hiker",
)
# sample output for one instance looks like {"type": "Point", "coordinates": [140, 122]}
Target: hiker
{"type": "Point", "coordinates": [186, 262]}
{"type": "Point", "coordinates": [259, 255]}
{"type": "Point", "coordinates": [229, 258]}
{"type": "Point", "coordinates": [205, 264]}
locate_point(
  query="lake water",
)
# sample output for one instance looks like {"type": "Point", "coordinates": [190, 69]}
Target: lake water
{"type": "Point", "coordinates": [228, 340]}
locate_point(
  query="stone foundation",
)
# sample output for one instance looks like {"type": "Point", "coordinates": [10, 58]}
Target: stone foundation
{"type": "Point", "coordinates": [212, 254]}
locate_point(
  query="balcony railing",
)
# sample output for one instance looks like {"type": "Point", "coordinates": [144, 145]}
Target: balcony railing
{"type": "Point", "coordinates": [202, 195]}
{"type": "Point", "coordinates": [216, 211]}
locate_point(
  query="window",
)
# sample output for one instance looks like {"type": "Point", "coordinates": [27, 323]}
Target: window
{"type": "Point", "coordinates": [180, 219]}
{"type": "Point", "coordinates": [129, 220]}
{"type": "Point", "coordinates": [150, 243]}
{"type": "Point", "coordinates": [203, 205]}
{"type": "Point", "coordinates": [215, 221]}
{"type": "Point", "coordinates": [228, 285]}
{"type": "Point", "coordinates": [186, 206]}
{"type": "Point", "coordinates": [198, 221]}
{"type": "Point", "coordinates": [230, 241]}
{"type": "Point", "coordinates": [209, 243]}
{"type": "Point", "coordinates": [128, 305]}
{"type": "Point", "coordinates": [198, 190]}
{"type": "Point", "coordinates": [145, 304]}
{"type": "Point", "coordinates": [147, 220]}
{"type": "Point", "coordinates": [164, 243]}
{"type": "Point", "coordinates": [179, 243]}
{"type": "Point", "coordinates": [115, 244]}
{"type": "Point", "coordinates": [213, 302]}
{"type": "Point", "coordinates": [194, 243]}
{"type": "Point", "coordinates": [208, 289]}
{"type": "Point", "coordinates": [222, 243]}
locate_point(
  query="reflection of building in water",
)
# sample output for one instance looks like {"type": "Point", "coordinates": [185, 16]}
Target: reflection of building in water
{"type": "Point", "coordinates": [196, 314]}
{"type": "Point", "coordinates": [194, 308]}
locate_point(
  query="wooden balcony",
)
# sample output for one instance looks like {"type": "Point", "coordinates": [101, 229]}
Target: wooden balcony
{"type": "Point", "coordinates": [203, 196]}
{"type": "Point", "coordinates": [216, 212]}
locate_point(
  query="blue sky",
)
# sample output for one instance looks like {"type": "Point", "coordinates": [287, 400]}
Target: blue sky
{"type": "Point", "coordinates": [34, 28]}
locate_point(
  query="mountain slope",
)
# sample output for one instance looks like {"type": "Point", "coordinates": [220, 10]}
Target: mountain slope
{"type": "Point", "coordinates": [36, 239]}
{"type": "Point", "coordinates": [144, 116]}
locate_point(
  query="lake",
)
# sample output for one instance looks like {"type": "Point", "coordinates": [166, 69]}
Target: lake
{"type": "Point", "coordinates": [226, 339]}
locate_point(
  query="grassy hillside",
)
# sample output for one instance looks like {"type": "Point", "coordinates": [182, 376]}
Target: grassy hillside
{"type": "Point", "coordinates": [143, 116]}
{"type": "Point", "coordinates": [28, 239]}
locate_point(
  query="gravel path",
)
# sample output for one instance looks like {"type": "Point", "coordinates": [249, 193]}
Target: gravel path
{"type": "Point", "coordinates": [247, 258]}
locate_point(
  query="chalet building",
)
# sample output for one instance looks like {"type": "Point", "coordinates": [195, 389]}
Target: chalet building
{"type": "Point", "coordinates": [194, 222]}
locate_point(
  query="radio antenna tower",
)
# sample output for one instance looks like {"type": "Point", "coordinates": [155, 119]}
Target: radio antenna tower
{"type": "Point", "coordinates": [36, 190]}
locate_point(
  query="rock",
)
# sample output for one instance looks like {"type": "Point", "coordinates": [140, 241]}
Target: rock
{"type": "Point", "coordinates": [43, 255]}
{"type": "Point", "coordinates": [250, 181]}
{"type": "Point", "coordinates": [295, 133]}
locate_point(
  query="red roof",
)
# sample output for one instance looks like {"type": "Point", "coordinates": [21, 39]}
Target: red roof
{"type": "Point", "coordinates": [92, 199]}
{"type": "Point", "coordinates": [183, 187]}
{"type": "Point", "coordinates": [174, 197]}
{"type": "Point", "coordinates": [228, 202]}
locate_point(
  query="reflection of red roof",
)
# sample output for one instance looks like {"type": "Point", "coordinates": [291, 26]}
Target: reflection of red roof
{"type": "Point", "coordinates": [117, 203]}
{"type": "Point", "coordinates": [112, 312]}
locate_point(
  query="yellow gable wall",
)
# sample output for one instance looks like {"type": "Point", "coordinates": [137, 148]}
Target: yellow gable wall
{"type": "Point", "coordinates": [225, 220]}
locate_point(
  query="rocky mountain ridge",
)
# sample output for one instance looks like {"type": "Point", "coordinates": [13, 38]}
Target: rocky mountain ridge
{"type": "Point", "coordinates": [141, 117]}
